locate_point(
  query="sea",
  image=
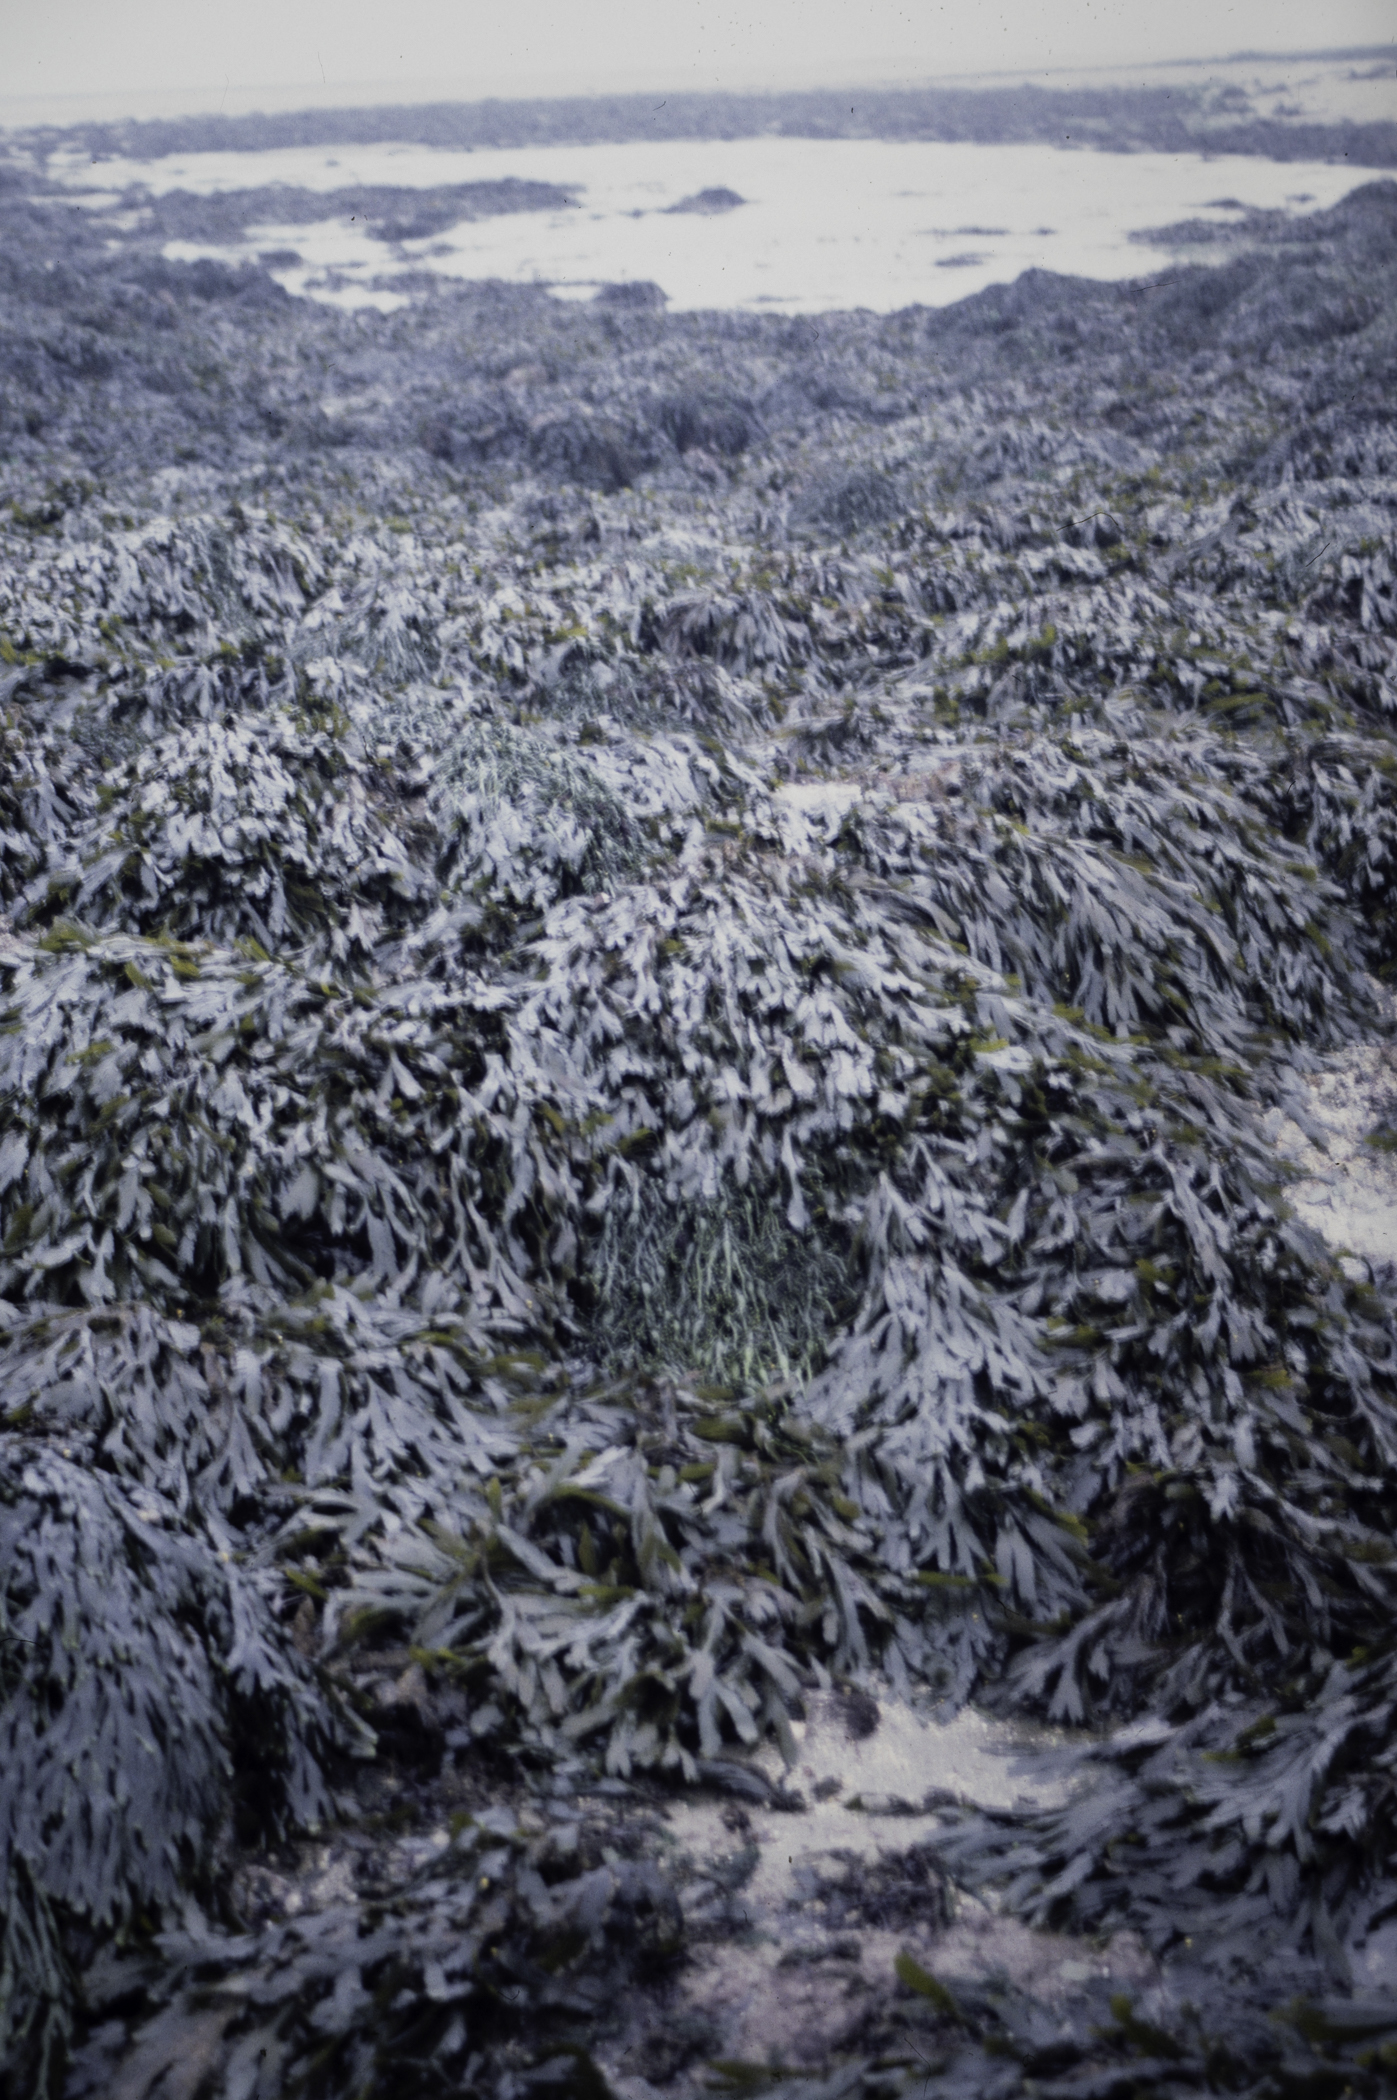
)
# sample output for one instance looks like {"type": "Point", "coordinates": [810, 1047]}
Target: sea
{"type": "Point", "coordinates": [822, 225]}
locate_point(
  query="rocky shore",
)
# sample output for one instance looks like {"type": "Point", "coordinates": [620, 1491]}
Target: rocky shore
{"type": "Point", "coordinates": [688, 1398]}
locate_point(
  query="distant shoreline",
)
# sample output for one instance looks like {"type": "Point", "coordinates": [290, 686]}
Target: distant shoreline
{"type": "Point", "coordinates": [1211, 116]}
{"type": "Point", "coordinates": [38, 110]}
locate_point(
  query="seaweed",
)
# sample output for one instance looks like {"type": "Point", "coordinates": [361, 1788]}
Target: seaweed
{"type": "Point", "coordinates": [659, 1101]}
{"type": "Point", "coordinates": [448, 1981]}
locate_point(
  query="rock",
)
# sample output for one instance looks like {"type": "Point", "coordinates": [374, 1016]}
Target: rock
{"type": "Point", "coordinates": [637, 295]}
{"type": "Point", "coordinates": [708, 204]}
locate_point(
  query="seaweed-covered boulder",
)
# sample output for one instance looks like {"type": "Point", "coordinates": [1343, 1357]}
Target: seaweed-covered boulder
{"type": "Point", "coordinates": [595, 450]}
{"type": "Point", "coordinates": [232, 831]}
{"type": "Point", "coordinates": [634, 295]}
{"type": "Point", "coordinates": [711, 422]}
{"type": "Point", "coordinates": [139, 1668]}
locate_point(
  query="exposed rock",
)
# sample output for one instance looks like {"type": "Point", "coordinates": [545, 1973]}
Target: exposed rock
{"type": "Point", "coordinates": [710, 203]}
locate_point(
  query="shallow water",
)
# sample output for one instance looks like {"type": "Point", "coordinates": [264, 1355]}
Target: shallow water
{"type": "Point", "coordinates": [827, 224]}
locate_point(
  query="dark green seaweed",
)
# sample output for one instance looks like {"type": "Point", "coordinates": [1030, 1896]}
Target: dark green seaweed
{"type": "Point", "coordinates": [639, 1015]}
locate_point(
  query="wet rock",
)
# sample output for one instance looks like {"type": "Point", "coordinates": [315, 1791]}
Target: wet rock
{"type": "Point", "coordinates": [860, 1715]}
{"type": "Point", "coordinates": [709, 203]}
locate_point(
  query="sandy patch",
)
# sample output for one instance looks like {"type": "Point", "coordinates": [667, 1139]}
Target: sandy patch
{"type": "Point", "coordinates": [1348, 1189]}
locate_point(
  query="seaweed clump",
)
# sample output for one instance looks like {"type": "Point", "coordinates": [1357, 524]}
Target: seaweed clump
{"type": "Point", "coordinates": [670, 1112]}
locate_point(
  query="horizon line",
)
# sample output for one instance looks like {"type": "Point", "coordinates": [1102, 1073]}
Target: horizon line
{"type": "Point", "coordinates": [407, 97]}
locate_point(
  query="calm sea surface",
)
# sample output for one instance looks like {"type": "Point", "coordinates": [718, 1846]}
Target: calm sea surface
{"type": "Point", "coordinates": [824, 224]}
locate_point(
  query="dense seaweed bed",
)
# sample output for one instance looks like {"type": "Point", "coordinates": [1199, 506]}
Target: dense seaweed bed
{"type": "Point", "coordinates": [643, 961]}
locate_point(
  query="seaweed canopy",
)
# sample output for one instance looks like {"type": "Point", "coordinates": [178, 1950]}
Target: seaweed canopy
{"type": "Point", "coordinates": [143, 1674]}
{"type": "Point", "coordinates": [665, 1210]}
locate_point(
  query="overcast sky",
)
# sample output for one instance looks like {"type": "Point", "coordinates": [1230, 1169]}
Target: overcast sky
{"type": "Point", "coordinates": [144, 49]}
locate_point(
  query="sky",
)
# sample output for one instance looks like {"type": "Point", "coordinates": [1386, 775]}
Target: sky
{"type": "Point", "coordinates": [191, 53]}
